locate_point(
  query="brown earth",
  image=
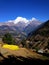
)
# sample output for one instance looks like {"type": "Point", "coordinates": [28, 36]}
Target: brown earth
{"type": "Point", "coordinates": [23, 52]}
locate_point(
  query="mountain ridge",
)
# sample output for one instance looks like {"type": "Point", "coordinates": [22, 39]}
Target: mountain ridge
{"type": "Point", "coordinates": [21, 25]}
{"type": "Point", "coordinates": [40, 38]}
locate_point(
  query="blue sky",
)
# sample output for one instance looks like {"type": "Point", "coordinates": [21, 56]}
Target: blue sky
{"type": "Point", "coordinates": [10, 9]}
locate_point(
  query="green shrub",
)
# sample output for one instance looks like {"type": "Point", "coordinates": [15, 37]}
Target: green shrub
{"type": "Point", "coordinates": [7, 38]}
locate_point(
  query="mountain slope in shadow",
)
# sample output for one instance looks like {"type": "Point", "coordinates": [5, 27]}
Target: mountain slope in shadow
{"type": "Point", "coordinates": [40, 37]}
{"type": "Point", "coordinates": [15, 60]}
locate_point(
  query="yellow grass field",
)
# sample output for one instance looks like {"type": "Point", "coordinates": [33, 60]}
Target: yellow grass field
{"type": "Point", "coordinates": [11, 47]}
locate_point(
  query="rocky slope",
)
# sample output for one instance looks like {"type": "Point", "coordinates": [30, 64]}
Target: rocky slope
{"type": "Point", "coordinates": [39, 39]}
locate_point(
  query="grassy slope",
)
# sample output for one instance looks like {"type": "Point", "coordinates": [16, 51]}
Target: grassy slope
{"type": "Point", "coordinates": [22, 55]}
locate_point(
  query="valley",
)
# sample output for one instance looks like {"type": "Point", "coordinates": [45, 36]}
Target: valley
{"type": "Point", "coordinates": [33, 44]}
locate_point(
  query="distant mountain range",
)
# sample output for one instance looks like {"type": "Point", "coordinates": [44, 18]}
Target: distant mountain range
{"type": "Point", "coordinates": [34, 31]}
{"type": "Point", "coordinates": [21, 27]}
{"type": "Point", "coordinates": [33, 24]}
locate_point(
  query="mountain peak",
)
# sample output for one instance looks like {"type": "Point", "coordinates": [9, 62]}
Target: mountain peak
{"type": "Point", "coordinates": [20, 19]}
{"type": "Point", "coordinates": [24, 20]}
{"type": "Point", "coordinates": [34, 19]}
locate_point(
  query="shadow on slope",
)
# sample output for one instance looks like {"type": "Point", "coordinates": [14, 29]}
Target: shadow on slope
{"type": "Point", "coordinates": [21, 60]}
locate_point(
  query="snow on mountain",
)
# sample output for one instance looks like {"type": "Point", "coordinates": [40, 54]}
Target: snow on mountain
{"type": "Point", "coordinates": [19, 19]}
{"type": "Point", "coordinates": [33, 24]}
{"type": "Point", "coordinates": [23, 24]}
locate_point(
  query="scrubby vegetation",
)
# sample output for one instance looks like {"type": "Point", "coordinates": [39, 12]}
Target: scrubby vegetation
{"type": "Point", "coordinates": [7, 38]}
{"type": "Point", "coordinates": [40, 37]}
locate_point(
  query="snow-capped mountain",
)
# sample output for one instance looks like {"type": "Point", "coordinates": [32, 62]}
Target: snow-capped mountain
{"type": "Point", "coordinates": [33, 24]}
{"type": "Point", "coordinates": [20, 24]}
